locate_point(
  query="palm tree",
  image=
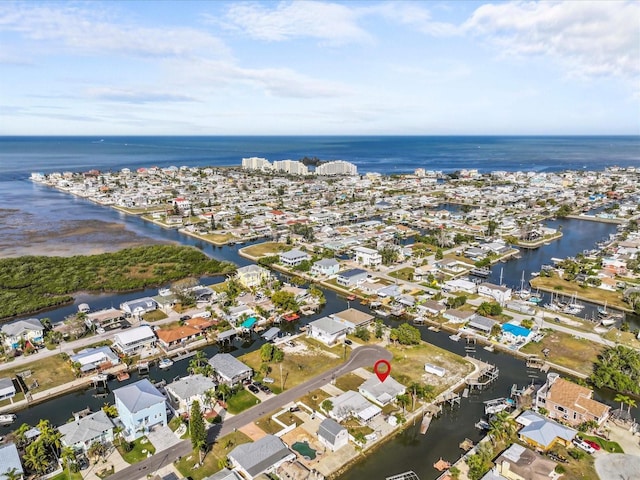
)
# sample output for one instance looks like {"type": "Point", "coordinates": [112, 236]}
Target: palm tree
{"type": "Point", "coordinates": [21, 432]}
{"type": "Point", "coordinates": [68, 456]}
{"type": "Point", "coordinates": [209, 396]}
{"type": "Point", "coordinates": [35, 457]}
{"type": "Point", "coordinates": [196, 362]}
{"type": "Point", "coordinates": [623, 399]}
{"type": "Point", "coordinates": [631, 403]}
{"type": "Point", "coordinates": [12, 474]}
{"type": "Point", "coordinates": [223, 391]}
{"type": "Point", "coordinates": [502, 426]}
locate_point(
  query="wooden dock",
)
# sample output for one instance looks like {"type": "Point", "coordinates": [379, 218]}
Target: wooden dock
{"type": "Point", "coordinates": [410, 475]}
{"type": "Point", "coordinates": [426, 421]}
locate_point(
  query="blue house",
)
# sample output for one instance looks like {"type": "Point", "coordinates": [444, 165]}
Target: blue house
{"type": "Point", "coordinates": [141, 407]}
{"type": "Point", "coordinates": [515, 333]}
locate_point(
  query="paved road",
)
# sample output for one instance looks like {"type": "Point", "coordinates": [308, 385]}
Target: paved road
{"type": "Point", "coordinates": [360, 357]}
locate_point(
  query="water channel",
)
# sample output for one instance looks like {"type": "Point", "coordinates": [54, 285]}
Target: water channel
{"type": "Point", "coordinates": [409, 450]}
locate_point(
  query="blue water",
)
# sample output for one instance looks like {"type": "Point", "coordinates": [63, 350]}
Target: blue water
{"type": "Point", "coordinates": [385, 154]}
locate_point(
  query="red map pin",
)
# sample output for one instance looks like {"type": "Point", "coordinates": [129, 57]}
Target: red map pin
{"type": "Point", "coordinates": [382, 369]}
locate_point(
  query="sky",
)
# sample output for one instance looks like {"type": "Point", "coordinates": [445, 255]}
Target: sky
{"type": "Point", "coordinates": [320, 68]}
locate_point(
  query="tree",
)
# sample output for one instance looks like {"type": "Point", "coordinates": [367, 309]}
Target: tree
{"type": "Point", "coordinates": [439, 255]}
{"type": "Point", "coordinates": [362, 333]}
{"type": "Point", "coordinates": [492, 226]}
{"type": "Point", "coordinates": [284, 300]}
{"type": "Point", "coordinates": [12, 474]}
{"type": "Point", "coordinates": [389, 254]}
{"type": "Point", "coordinates": [21, 432]}
{"type": "Point", "coordinates": [489, 309]}
{"type": "Point", "coordinates": [271, 353]}
{"type": "Point", "coordinates": [327, 405]}
{"type": "Point", "coordinates": [379, 329]}
{"type": "Point", "coordinates": [97, 450]}
{"type": "Point", "coordinates": [405, 334]}
{"type": "Point", "coordinates": [199, 364]}
{"type": "Point", "coordinates": [110, 410]}
{"type": "Point", "coordinates": [623, 399]}
{"type": "Point", "coordinates": [35, 457]}
{"type": "Point", "coordinates": [197, 429]}
{"type": "Point", "coordinates": [223, 391]}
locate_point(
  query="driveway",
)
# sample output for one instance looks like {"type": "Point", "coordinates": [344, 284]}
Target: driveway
{"type": "Point", "coordinates": [360, 357]}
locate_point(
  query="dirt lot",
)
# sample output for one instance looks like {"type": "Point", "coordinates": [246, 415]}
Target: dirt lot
{"type": "Point", "coordinates": [566, 350]}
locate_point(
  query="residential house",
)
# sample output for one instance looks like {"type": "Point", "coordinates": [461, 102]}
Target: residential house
{"type": "Point", "coordinates": [97, 358]}
{"type": "Point", "coordinates": [29, 330]}
{"type": "Point", "coordinates": [183, 392]}
{"type": "Point", "coordinates": [521, 463]}
{"type": "Point", "coordinates": [482, 324]}
{"type": "Point", "coordinates": [454, 315]}
{"type": "Point", "coordinates": [252, 276]}
{"type": "Point", "coordinates": [325, 267]}
{"type": "Point", "coordinates": [7, 388]}
{"type": "Point", "coordinates": [451, 265]}
{"type": "Point", "coordinates": [569, 402]}
{"type": "Point", "coordinates": [367, 256]}
{"type": "Point", "coordinates": [542, 433]}
{"type": "Point", "coordinates": [140, 306]}
{"type": "Point", "coordinates": [224, 474]}
{"type": "Point", "coordinates": [512, 333]}
{"type": "Point", "coordinates": [390, 291]}
{"type": "Point", "coordinates": [354, 404]}
{"type": "Point", "coordinates": [107, 318]}
{"type": "Point", "coordinates": [141, 407]}
{"type": "Point", "coordinates": [327, 330]}
{"type": "Point", "coordinates": [459, 285]}
{"type": "Point", "coordinates": [332, 435]}
{"type": "Point", "coordinates": [381, 393]}
{"type": "Point", "coordinates": [352, 278]}
{"type": "Point", "coordinates": [81, 433]}
{"type": "Point", "coordinates": [239, 313]}
{"type": "Point", "coordinates": [229, 369]}
{"type": "Point", "coordinates": [353, 318]}
{"type": "Point", "coordinates": [431, 307]}
{"type": "Point", "coordinates": [170, 338]}
{"type": "Point", "coordinates": [262, 456]}
{"type": "Point", "coordinates": [131, 341]}
{"type": "Point", "coordinates": [10, 461]}
{"type": "Point", "coordinates": [499, 293]}
{"type": "Point", "coordinates": [294, 257]}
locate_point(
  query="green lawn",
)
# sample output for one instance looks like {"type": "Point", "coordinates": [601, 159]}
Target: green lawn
{"type": "Point", "coordinates": [314, 399]}
{"type": "Point", "coordinates": [211, 463]}
{"type": "Point", "coordinates": [403, 274]}
{"type": "Point", "coordinates": [64, 476]}
{"type": "Point", "coordinates": [611, 447]}
{"type": "Point", "coordinates": [350, 381]}
{"type": "Point", "coordinates": [241, 401]}
{"type": "Point", "coordinates": [154, 316]}
{"type": "Point", "coordinates": [136, 454]}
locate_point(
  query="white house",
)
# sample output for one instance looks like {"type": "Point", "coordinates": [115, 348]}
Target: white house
{"type": "Point", "coordinates": [454, 315]}
{"type": "Point", "coordinates": [327, 330]}
{"type": "Point", "coordinates": [499, 293]}
{"type": "Point", "coordinates": [229, 369]}
{"type": "Point", "coordinates": [353, 318]}
{"type": "Point", "coordinates": [381, 393]}
{"type": "Point", "coordinates": [332, 435]}
{"type": "Point", "coordinates": [7, 388]}
{"type": "Point", "coordinates": [140, 306]}
{"type": "Point", "coordinates": [459, 285]}
{"type": "Point", "coordinates": [352, 278]}
{"type": "Point", "coordinates": [262, 456]}
{"type": "Point", "coordinates": [326, 267]}
{"type": "Point", "coordinates": [83, 432]}
{"type": "Point", "coordinates": [294, 257]}
{"type": "Point", "coordinates": [29, 330]}
{"type": "Point", "coordinates": [141, 407]}
{"type": "Point", "coordinates": [184, 391]}
{"type": "Point", "coordinates": [10, 460]}
{"type": "Point", "coordinates": [131, 341]}
{"type": "Point", "coordinates": [367, 256]}
{"type": "Point", "coordinates": [94, 358]}
{"type": "Point", "coordinates": [354, 404]}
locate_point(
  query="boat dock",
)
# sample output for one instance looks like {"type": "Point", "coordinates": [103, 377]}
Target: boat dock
{"type": "Point", "coordinates": [484, 377]}
{"type": "Point", "coordinates": [410, 475]}
{"type": "Point", "coordinates": [497, 405]}
{"type": "Point", "coordinates": [426, 421]}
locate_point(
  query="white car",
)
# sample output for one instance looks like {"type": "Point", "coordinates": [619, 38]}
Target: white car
{"type": "Point", "coordinates": [584, 446]}
{"type": "Point", "coordinates": [100, 330]}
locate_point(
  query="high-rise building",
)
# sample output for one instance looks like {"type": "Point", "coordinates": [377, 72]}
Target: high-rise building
{"type": "Point", "coordinates": [291, 166]}
{"type": "Point", "coordinates": [337, 167]}
{"type": "Point", "coordinates": [255, 163]}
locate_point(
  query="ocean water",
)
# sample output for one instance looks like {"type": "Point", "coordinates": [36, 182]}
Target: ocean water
{"type": "Point", "coordinates": [19, 156]}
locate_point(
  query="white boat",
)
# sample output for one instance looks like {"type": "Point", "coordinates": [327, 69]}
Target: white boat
{"type": "Point", "coordinates": [607, 321]}
{"type": "Point", "coordinates": [164, 292]}
{"type": "Point", "coordinates": [165, 363]}
{"type": "Point", "coordinates": [7, 418]}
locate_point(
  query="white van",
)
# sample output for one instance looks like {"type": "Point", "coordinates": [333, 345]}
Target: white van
{"type": "Point", "coordinates": [205, 314]}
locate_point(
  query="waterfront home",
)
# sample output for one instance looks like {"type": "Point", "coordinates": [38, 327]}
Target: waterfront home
{"type": "Point", "coordinates": [381, 393]}
{"type": "Point", "coordinates": [353, 318]}
{"type": "Point", "coordinates": [332, 435]}
{"type": "Point", "coordinates": [139, 307]}
{"type": "Point", "coordinates": [327, 330]}
{"type": "Point", "coordinates": [521, 463]}
{"type": "Point", "coordinates": [451, 265]}
{"type": "Point", "coordinates": [175, 337]}
{"type": "Point", "coordinates": [499, 293]}
{"type": "Point", "coordinates": [224, 474]}
{"type": "Point", "coordinates": [390, 291]}
{"type": "Point", "coordinates": [183, 392]}
{"type": "Point", "coordinates": [141, 407]}
{"type": "Point", "coordinates": [29, 330]}
{"type": "Point", "coordinates": [132, 341]}
{"type": "Point", "coordinates": [293, 258]}
{"type": "Point", "coordinates": [7, 388]}
{"type": "Point", "coordinates": [512, 333]}
{"type": "Point", "coordinates": [10, 461]}
{"type": "Point", "coordinates": [262, 456]}
{"type": "Point", "coordinates": [481, 324]}
{"type": "Point", "coordinates": [569, 402]}
{"type": "Point", "coordinates": [230, 370]}
{"type": "Point", "coordinates": [200, 323]}
{"type": "Point", "coordinates": [352, 278]}
{"type": "Point", "coordinates": [454, 315]}
{"type": "Point", "coordinates": [431, 307]}
{"type": "Point", "coordinates": [81, 433]}
{"type": "Point", "coordinates": [325, 267]}
{"type": "Point", "coordinates": [459, 285]}
{"type": "Point", "coordinates": [367, 256]}
{"type": "Point", "coordinates": [353, 404]}
{"type": "Point", "coordinates": [252, 276]}
{"type": "Point", "coordinates": [371, 288]}
{"type": "Point", "coordinates": [542, 433]}
{"type": "Point", "coordinates": [107, 318]}
{"type": "Point", "coordinates": [97, 358]}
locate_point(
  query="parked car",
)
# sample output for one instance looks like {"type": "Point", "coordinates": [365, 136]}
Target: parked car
{"type": "Point", "coordinates": [584, 446]}
{"type": "Point", "coordinates": [185, 317]}
{"type": "Point", "coordinates": [592, 444]}
{"type": "Point", "coordinates": [100, 330]}
{"type": "Point", "coordinates": [264, 389]}
{"type": "Point", "coordinates": [348, 342]}
{"type": "Point", "coordinates": [253, 389]}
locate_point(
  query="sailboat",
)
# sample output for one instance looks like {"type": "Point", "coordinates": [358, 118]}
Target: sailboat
{"type": "Point", "coordinates": [523, 293]}
{"type": "Point", "coordinates": [602, 311]}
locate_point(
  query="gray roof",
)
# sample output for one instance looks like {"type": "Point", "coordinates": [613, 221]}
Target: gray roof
{"type": "Point", "coordinates": [327, 262]}
{"type": "Point", "coordinates": [6, 384]}
{"type": "Point", "coordinates": [191, 386]}
{"type": "Point", "coordinates": [258, 456]}
{"type": "Point", "coordinates": [353, 273]}
{"type": "Point", "coordinates": [93, 355]}
{"type": "Point", "coordinates": [271, 333]}
{"type": "Point", "coordinates": [224, 474]}
{"type": "Point", "coordinates": [86, 428]}
{"type": "Point", "coordinates": [145, 303]}
{"type": "Point", "coordinates": [383, 392]}
{"type": "Point", "coordinates": [542, 430]}
{"type": "Point", "coordinates": [329, 429]}
{"type": "Point", "coordinates": [294, 254]}
{"type": "Point", "coordinates": [139, 395]}
{"type": "Point", "coordinates": [328, 325]}
{"type": "Point", "coordinates": [9, 459]}
{"type": "Point", "coordinates": [481, 322]}
{"type": "Point", "coordinates": [227, 365]}
{"type": "Point", "coordinates": [20, 326]}
{"type": "Point", "coordinates": [133, 335]}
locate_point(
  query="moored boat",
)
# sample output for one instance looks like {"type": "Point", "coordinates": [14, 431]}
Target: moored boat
{"type": "Point", "coordinates": [7, 418]}
{"type": "Point", "coordinates": [165, 363]}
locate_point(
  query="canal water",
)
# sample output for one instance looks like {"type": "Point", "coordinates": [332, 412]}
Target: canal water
{"type": "Point", "coordinates": [409, 450]}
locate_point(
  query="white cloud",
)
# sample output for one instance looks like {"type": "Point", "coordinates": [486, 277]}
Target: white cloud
{"type": "Point", "coordinates": [416, 16]}
{"type": "Point", "coordinates": [138, 96]}
{"type": "Point", "coordinates": [86, 31]}
{"type": "Point", "coordinates": [588, 38]}
{"type": "Point", "coordinates": [330, 22]}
